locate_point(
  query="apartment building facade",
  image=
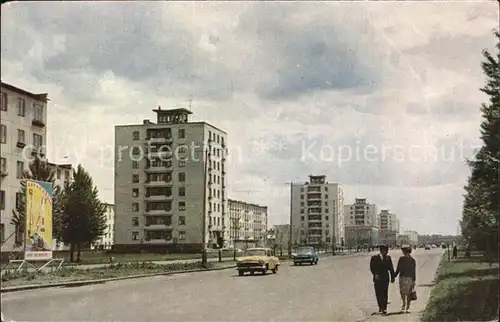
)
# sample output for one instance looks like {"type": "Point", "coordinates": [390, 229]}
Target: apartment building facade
{"type": "Point", "coordinates": [317, 212]}
{"type": "Point", "coordinates": [170, 183]}
{"type": "Point", "coordinates": [107, 239]}
{"type": "Point", "coordinates": [361, 229]}
{"type": "Point", "coordinates": [23, 134]}
{"type": "Point", "coordinates": [247, 226]}
{"type": "Point", "coordinates": [388, 228]}
{"type": "Point", "coordinates": [63, 174]}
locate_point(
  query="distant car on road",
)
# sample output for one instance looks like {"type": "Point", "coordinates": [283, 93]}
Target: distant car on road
{"type": "Point", "coordinates": [305, 255]}
{"type": "Point", "coordinates": [257, 260]}
{"type": "Point", "coordinates": [427, 247]}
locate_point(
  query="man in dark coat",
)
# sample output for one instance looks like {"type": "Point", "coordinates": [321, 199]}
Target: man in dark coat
{"type": "Point", "coordinates": [383, 272]}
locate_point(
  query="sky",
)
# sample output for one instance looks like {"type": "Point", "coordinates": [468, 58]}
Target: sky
{"type": "Point", "coordinates": [382, 97]}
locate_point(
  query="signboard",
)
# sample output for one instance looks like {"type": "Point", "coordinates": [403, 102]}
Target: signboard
{"type": "Point", "coordinates": [38, 236]}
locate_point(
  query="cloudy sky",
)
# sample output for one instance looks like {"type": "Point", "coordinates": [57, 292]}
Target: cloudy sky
{"type": "Point", "coordinates": [382, 97]}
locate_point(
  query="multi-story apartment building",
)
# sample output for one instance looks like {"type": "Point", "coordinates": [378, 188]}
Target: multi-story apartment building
{"type": "Point", "coordinates": [247, 224]}
{"type": "Point", "coordinates": [22, 134]}
{"type": "Point", "coordinates": [388, 221]}
{"type": "Point", "coordinates": [361, 227]}
{"type": "Point", "coordinates": [388, 228]}
{"type": "Point", "coordinates": [170, 183]}
{"type": "Point", "coordinates": [361, 213]}
{"type": "Point", "coordinates": [317, 212]}
{"type": "Point", "coordinates": [106, 240]}
{"type": "Point", "coordinates": [412, 237]}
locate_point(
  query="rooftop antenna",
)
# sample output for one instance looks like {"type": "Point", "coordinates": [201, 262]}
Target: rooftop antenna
{"type": "Point", "coordinates": [190, 101]}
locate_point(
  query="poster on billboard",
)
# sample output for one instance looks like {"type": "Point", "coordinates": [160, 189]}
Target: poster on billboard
{"type": "Point", "coordinates": [38, 236]}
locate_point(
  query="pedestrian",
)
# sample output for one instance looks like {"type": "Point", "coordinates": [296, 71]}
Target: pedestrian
{"type": "Point", "coordinates": [455, 251]}
{"type": "Point", "coordinates": [406, 270]}
{"type": "Point", "coordinates": [382, 270]}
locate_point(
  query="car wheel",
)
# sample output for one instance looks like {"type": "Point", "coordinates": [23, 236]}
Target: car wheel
{"type": "Point", "coordinates": [240, 273]}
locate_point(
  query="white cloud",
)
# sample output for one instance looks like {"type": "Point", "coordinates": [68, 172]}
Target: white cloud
{"type": "Point", "coordinates": [387, 74]}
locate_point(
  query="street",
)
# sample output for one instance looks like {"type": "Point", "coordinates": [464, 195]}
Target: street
{"type": "Point", "coordinates": [337, 289]}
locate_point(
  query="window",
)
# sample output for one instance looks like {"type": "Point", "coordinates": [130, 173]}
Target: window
{"type": "Point", "coordinates": [19, 199]}
{"type": "Point", "coordinates": [38, 112]}
{"type": "Point", "coordinates": [3, 134]}
{"type": "Point", "coordinates": [21, 136]}
{"type": "Point", "coordinates": [21, 107]}
{"type": "Point", "coordinates": [2, 233]}
{"type": "Point", "coordinates": [182, 235]}
{"type": "Point", "coordinates": [4, 102]}
{"type": "Point", "coordinates": [3, 164]}
{"type": "Point", "coordinates": [135, 235]}
{"type": "Point", "coordinates": [136, 150]}
{"type": "Point", "coordinates": [135, 221]}
{"type": "Point", "coordinates": [19, 169]}
{"type": "Point", "coordinates": [135, 164]}
{"type": "Point", "coordinates": [182, 133]}
{"type": "Point", "coordinates": [58, 173]}
{"type": "Point", "coordinates": [182, 191]}
{"type": "Point", "coordinates": [135, 178]}
{"type": "Point", "coordinates": [2, 199]}
{"type": "Point", "coordinates": [135, 207]}
{"type": "Point", "coordinates": [182, 220]}
{"type": "Point", "coordinates": [182, 205]}
{"type": "Point", "coordinates": [182, 163]}
{"type": "Point", "coordinates": [135, 135]}
{"type": "Point", "coordinates": [182, 177]}
{"type": "Point", "coordinates": [37, 141]}
{"type": "Point", "coordinates": [135, 192]}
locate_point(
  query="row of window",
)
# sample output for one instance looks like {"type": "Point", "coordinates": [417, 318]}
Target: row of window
{"type": "Point", "coordinates": [158, 235]}
{"type": "Point", "coordinates": [21, 137]}
{"type": "Point", "coordinates": [159, 220]}
{"type": "Point", "coordinates": [302, 218]}
{"type": "Point", "coordinates": [20, 169]}
{"type": "Point", "coordinates": [21, 107]}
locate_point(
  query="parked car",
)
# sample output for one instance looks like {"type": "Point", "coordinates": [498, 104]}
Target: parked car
{"type": "Point", "coordinates": [257, 260]}
{"type": "Point", "coordinates": [427, 247]}
{"type": "Point", "coordinates": [305, 255]}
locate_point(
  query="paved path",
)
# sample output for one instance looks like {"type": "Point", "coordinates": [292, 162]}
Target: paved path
{"type": "Point", "coordinates": [338, 289]}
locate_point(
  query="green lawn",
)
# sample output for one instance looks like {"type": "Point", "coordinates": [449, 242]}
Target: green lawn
{"type": "Point", "coordinates": [465, 290]}
{"type": "Point", "coordinates": [98, 257]}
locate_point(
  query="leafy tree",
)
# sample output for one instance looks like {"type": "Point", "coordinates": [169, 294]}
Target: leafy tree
{"type": "Point", "coordinates": [39, 170]}
{"type": "Point", "coordinates": [481, 209]}
{"type": "Point", "coordinates": [83, 219]}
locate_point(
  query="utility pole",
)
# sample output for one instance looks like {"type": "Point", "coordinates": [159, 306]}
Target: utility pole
{"type": "Point", "coordinates": [290, 220]}
{"type": "Point", "coordinates": [204, 210]}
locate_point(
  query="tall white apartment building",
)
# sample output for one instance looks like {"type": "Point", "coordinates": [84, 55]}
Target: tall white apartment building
{"type": "Point", "coordinates": [361, 213]}
{"type": "Point", "coordinates": [247, 224]}
{"type": "Point", "coordinates": [388, 221]}
{"type": "Point", "coordinates": [317, 212]}
{"type": "Point", "coordinates": [106, 240]}
{"type": "Point", "coordinates": [63, 174]}
{"type": "Point", "coordinates": [23, 132]}
{"type": "Point", "coordinates": [170, 183]}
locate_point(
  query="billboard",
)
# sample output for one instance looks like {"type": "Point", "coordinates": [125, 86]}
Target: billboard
{"type": "Point", "coordinates": [38, 236]}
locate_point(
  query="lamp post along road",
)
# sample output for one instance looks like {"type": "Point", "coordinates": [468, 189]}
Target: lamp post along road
{"type": "Point", "coordinates": [204, 210]}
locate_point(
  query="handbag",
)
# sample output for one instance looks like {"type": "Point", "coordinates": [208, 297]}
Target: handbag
{"type": "Point", "coordinates": [413, 296]}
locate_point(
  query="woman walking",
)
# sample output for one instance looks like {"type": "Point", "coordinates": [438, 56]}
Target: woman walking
{"type": "Point", "coordinates": [407, 275]}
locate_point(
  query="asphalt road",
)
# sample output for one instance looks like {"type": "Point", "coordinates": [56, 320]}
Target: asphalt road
{"type": "Point", "coordinates": [337, 289]}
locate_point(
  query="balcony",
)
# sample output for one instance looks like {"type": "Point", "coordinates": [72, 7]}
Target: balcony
{"type": "Point", "coordinates": [20, 145]}
{"type": "Point", "coordinates": [158, 226]}
{"type": "Point", "coordinates": [158, 169]}
{"type": "Point", "coordinates": [162, 155]}
{"type": "Point", "coordinates": [155, 140]}
{"type": "Point", "coordinates": [157, 197]}
{"type": "Point", "coordinates": [313, 196]}
{"type": "Point", "coordinates": [38, 123]}
{"type": "Point", "coordinates": [157, 183]}
{"type": "Point", "coordinates": [157, 212]}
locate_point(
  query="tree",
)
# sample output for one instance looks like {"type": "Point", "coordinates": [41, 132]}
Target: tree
{"type": "Point", "coordinates": [83, 219]}
{"type": "Point", "coordinates": [39, 170]}
{"type": "Point", "coordinates": [481, 209]}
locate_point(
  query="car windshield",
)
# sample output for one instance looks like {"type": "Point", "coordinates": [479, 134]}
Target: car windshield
{"type": "Point", "coordinates": [305, 250]}
{"type": "Point", "coordinates": [255, 252]}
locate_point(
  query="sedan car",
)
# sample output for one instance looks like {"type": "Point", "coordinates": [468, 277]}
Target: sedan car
{"type": "Point", "coordinates": [305, 255]}
{"type": "Point", "coordinates": [257, 260]}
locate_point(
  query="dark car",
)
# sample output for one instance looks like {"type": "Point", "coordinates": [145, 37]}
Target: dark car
{"type": "Point", "coordinates": [427, 247]}
{"type": "Point", "coordinates": [305, 255]}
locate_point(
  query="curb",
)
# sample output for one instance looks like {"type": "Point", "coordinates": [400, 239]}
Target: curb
{"type": "Point", "coordinates": [104, 280]}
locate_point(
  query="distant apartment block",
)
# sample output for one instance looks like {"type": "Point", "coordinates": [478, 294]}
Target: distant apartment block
{"type": "Point", "coordinates": [106, 240]}
{"type": "Point", "coordinates": [170, 182]}
{"type": "Point", "coordinates": [412, 237]}
{"type": "Point", "coordinates": [23, 134]}
{"type": "Point", "coordinates": [247, 225]}
{"type": "Point", "coordinates": [388, 228]}
{"type": "Point", "coordinates": [361, 213]}
{"type": "Point", "coordinates": [317, 208]}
